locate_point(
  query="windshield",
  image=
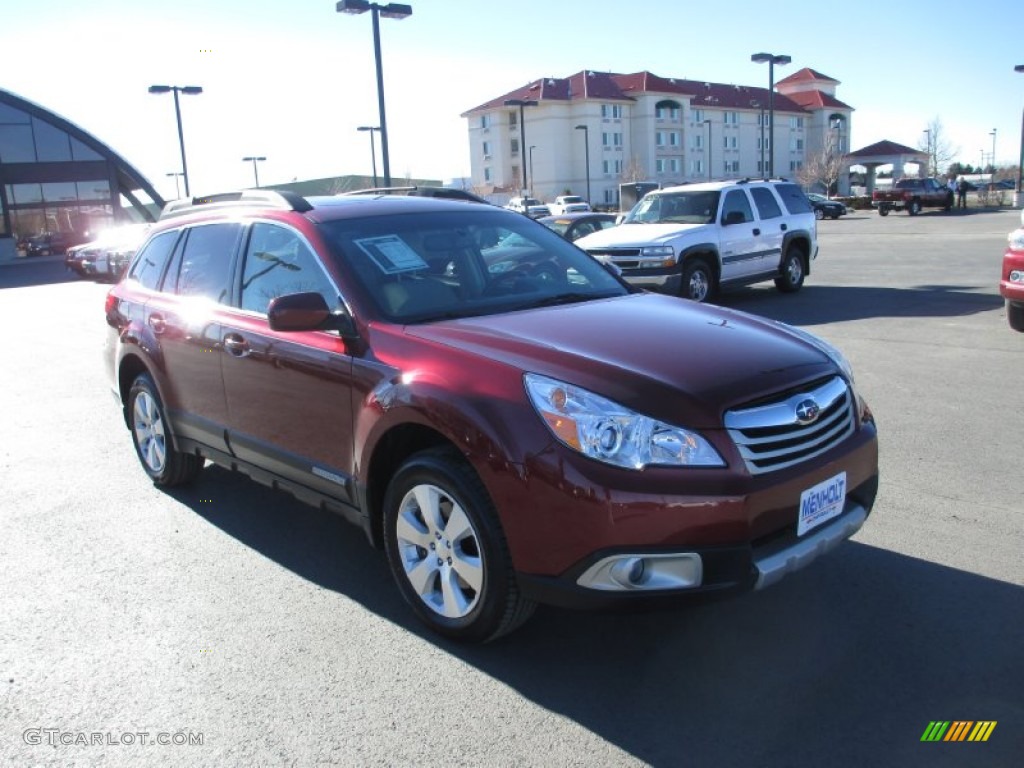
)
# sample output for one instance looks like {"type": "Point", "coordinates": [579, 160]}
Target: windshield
{"type": "Point", "coordinates": [693, 207]}
{"type": "Point", "coordinates": [421, 267]}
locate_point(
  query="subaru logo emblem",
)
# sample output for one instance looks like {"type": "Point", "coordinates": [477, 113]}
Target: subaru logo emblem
{"type": "Point", "coordinates": [807, 411]}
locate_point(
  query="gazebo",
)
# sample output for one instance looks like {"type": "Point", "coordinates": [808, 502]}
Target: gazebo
{"type": "Point", "coordinates": [886, 153]}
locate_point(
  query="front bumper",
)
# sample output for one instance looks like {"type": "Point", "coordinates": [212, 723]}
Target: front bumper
{"type": "Point", "coordinates": [723, 570]}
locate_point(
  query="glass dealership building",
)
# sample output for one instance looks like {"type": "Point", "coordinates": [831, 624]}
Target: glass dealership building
{"type": "Point", "coordinates": [55, 177]}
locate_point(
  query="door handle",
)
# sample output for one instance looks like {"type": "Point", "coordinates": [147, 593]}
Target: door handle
{"type": "Point", "coordinates": [757, 231]}
{"type": "Point", "coordinates": [157, 323]}
{"type": "Point", "coordinates": [236, 346]}
{"type": "Point", "coordinates": [784, 227]}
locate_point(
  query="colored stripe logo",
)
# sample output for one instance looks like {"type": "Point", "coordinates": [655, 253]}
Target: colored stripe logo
{"type": "Point", "coordinates": [958, 730]}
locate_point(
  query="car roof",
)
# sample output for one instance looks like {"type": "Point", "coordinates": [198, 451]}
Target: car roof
{"type": "Point", "coordinates": [576, 215]}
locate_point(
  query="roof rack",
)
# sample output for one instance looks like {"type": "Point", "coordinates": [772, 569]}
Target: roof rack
{"type": "Point", "coordinates": [447, 193]}
{"type": "Point", "coordinates": [263, 198]}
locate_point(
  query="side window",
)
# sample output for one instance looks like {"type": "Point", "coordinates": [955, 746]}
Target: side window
{"type": "Point", "coordinates": [737, 200]}
{"type": "Point", "coordinates": [151, 259]}
{"type": "Point", "coordinates": [793, 198]}
{"type": "Point", "coordinates": [206, 260]}
{"type": "Point", "coordinates": [278, 262]}
{"type": "Point", "coordinates": [767, 205]}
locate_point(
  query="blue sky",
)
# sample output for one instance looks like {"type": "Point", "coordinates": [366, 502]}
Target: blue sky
{"type": "Point", "coordinates": [292, 79]}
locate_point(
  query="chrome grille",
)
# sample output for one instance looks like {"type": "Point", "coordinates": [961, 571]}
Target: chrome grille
{"type": "Point", "coordinates": [770, 436]}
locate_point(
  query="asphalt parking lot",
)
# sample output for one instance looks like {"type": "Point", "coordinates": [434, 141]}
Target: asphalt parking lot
{"type": "Point", "coordinates": [273, 632]}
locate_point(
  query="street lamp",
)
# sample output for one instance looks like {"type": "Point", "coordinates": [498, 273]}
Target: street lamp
{"type": "Point", "coordinates": [532, 147]}
{"type": "Point", "coordinates": [586, 154]}
{"type": "Point", "coordinates": [928, 148]}
{"type": "Point", "coordinates": [389, 11]}
{"type": "Point", "coordinates": [255, 173]}
{"type": "Point", "coordinates": [992, 176]}
{"type": "Point", "coordinates": [772, 59]}
{"type": "Point", "coordinates": [190, 90]}
{"type": "Point", "coordinates": [708, 124]}
{"type": "Point", "coordinates": [522, 129]}
{"type": "Point", "coordinates": [373, 152]}
{"type": "Point", "coordinates": [1020, 165]}
{"type": "Point", "coordinates": [757, 104]}
{"type": "Point", "coordinates": [177, 186]}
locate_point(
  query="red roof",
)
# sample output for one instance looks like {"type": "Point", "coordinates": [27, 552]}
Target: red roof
{"type": "Point", "coordinates": [804, 75]}
{"type": "Point", "coordinates": [817, 100]}
{"type": "Point", "coordinates": [886, 148]}
{"type": "Point", "coordinates": [590, 84]}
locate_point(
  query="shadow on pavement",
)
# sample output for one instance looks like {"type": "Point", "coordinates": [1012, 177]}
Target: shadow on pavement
{"type": "Point", "coordinates": [841, 664]}
{"type": "Point", "coordinates": [37, 270]}
{"type": "Point", "coordinates": [819, 304]}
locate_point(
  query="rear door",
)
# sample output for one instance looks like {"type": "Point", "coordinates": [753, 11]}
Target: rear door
{"type": "Point", "coordinates": [739, 240]}
{"type": "Point", "coordinates": [773, 229]}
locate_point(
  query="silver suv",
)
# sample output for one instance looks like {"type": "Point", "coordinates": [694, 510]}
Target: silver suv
{"type": "Point", "coordinates": [693, 239]}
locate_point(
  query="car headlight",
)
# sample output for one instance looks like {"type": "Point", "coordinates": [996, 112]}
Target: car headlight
{"type": "Point", "coordinates": [604, 430]}
{"type": "Point", "coordinates": [663, 252]}
{"type": "Point", "coordinates": [1016, 239]}
{"type": "Point", "coordinates": [831, 352]}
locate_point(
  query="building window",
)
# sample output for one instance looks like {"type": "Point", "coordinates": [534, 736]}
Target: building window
{"type": "Point", "coordinates": [513, 119]}
{"type": "Point", "coordinates": [666, 113]}
{"type": "Point", "coordinates": [731, 166]}
{"type": "Point", "coordinates": [514, 146]}
{"type": "Point", "coordinates": [730, 118]}
{"type": "Point", "coordinates": [515, 173]}
{"type": "Point", "coordinates": [611, 139]}
{"type": "Point", "coordinates": [698, 141]}
{"type": "Point", "coordinates": [485, 121]}
{"type": "Point", "coordinates": [487, 149]}
{"type": "Point", "coordinates": [797, 145]}
{"type": "Point", "coordinates": [730, 142]}
{"type": "Point", "coordinates": [796, 123]}
{"type": "Point", "coordinates": [795, 165]}
{"type": "Point", "coordinates": [611, 197]}
{"type": "Point", "coordinates": [613, 111]}
{"type": "Point", "coordinates": [696, 167]}
{"type": "Point", "coordinates": [673, 138]}
{"type": "Point", "coordinates": [611, 167]}
{"type": "Point", "coordinates": [698, 115]}
{"type": "Point", "coordinates": [667, 165]}
{"type": "Point", "coordinates": [487, 174]}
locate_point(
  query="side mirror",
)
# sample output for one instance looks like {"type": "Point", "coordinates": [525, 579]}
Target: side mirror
{"type": "Point", "coordinates": [307, 312]}
{"type": "Point", "coordinates": [734, 217]}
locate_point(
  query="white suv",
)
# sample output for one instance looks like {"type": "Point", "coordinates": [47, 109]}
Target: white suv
{"type": "Point", "coordinates": [692, 239]}
{"type": "Point", "coordinates": [568, 204]}
{"type": "Point", "coordinates": [530, 206]}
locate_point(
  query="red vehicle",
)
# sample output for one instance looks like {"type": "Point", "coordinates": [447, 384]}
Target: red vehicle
{"type": "Point", "coordinates": [506, 437]}
{"type": "Point", "coordinates": [1011, 285]}
{"type": "Point", "coordinates": [913, 195]}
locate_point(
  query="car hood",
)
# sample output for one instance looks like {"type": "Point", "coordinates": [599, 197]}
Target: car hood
{"type": "Point", "coordinates": [636, 235]}
{"type": "Point", "coordinates": [675, 360]}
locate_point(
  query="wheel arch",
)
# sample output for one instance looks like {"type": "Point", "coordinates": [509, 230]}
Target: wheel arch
{"type": "Point", "coordinates": [708, 252]}
{"type": "Point", "coordinates": [802, 240]}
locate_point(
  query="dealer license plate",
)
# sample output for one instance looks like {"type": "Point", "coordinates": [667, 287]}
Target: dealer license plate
{"type": "Point", "coordinates": [821, 503]}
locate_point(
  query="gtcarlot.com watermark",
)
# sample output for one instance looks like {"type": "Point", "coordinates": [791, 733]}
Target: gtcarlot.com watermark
{"type": "Point", "coordinates": [58, 737]}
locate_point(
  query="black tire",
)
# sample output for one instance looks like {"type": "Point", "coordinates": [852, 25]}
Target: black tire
{"type": "Point", "coordinates": [1015, 315]}
{"type": "Point", "coordinates": [914, 207]}
{"type": "Point", "coordinates": [883, 211]}
{"type": "Point", "coordinates": [819, 214]}
{"type": "Point", "coordinates": [698, 281]}
{"type": "Point", "coordinates": [791, 271]}
{"type": "Point", "coordinates": [467, 589]}
{"type": "Point", "coordinates": [152, 437]}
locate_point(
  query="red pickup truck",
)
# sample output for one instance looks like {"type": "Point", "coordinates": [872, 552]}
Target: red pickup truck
{"type": "Point", "coordinates": [913, 195]}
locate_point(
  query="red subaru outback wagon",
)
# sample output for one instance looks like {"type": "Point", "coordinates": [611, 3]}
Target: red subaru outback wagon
{"type": "Point", "coordinates": [501, 413]}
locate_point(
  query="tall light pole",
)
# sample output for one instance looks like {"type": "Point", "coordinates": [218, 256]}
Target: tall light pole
{"type": "Point", "coordinates": [373, 152]}
{"type": "Point", "coordinates": [389, 11]}
{"type": "Point", "coordinates": [177, 186]}
{"type": "Point", "coordinates": [1020, 165]}
{"type": "Point", "coordinates": [522, 129]}
{"type": "Point", "coordinates": [190, 90]}
{"type": "Point", "coordinates": [772, 59]}
{"type": "Point", "coordinates": [708, 124]}
{"type": "Point", "coordinates": [532, 147]}
{"type": "Point", "coordinates": [757, 104]}
{"type": "Point", "coordinates": [586, 154]}
{"type": "Point", "coordinates": [992, 176]}
{"type": "Point", "coordinates": [928, 148]}
{"type": "Point", "coordinates": [255, 173]}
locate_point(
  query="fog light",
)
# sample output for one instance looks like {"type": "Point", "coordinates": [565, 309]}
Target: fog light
{"type": "Point", "coordinates": [1016, 276]}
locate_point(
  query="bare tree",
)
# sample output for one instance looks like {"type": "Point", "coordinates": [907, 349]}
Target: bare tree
{"type": "Point", "coordinates": [633, 172]}
{"type": "Point", "coordinates": [825, 166]}
{"type": "Point", "coordinates": [940, 152]}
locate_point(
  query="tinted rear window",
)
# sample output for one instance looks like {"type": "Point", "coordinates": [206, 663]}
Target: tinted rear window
{"type": "Point", "coordinates": [767, 206]}
{"type": "Point", "coordinates": [207, 260]}
{"type": "Point", "coordinates": [793, 198]}
{"type": "Point", "coordinates": [150, 262]}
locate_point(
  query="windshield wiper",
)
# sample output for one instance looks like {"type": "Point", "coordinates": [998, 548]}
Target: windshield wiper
{"type": "Point", "coordinates": [572, 297]}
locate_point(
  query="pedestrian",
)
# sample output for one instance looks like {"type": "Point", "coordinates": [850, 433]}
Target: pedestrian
{"type": "Point", "coordinates": [961, 192]}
